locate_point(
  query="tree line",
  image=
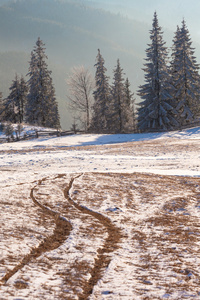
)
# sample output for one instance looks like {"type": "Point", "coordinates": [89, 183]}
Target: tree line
{"type": "Point", "coordinates": [171, 92]}
{"type": "Point", "coordinates": [32, 101]}
{"type": "Point", "coordinates": [99, 106]}
{"type": "Point", "coordinates": [170, 95]}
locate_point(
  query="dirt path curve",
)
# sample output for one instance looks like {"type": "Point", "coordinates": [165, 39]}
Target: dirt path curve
{"type": "Point", "coordinates": [111, 244]}
{"type": "Point", "coordinates": [61, 231]}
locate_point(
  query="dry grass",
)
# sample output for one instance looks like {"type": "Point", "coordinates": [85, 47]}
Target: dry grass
{"type": "Point", "coordinates": [159, 212]}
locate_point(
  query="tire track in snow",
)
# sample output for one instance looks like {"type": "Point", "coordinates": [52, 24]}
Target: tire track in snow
{"type": "Point", "coordinates": [62, 230]}
{"type": "Point", "coordinates": [52, 242]}
{"type": "Point", "coordinates": [111, 243]}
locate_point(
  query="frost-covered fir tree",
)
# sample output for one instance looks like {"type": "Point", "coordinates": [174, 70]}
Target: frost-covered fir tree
{"type": "Point", "coordinates": [120, 104]}
{"type": "Point", "coordinates": [130, 105]}
{"type": "Point", "coordinates": [117, 116]}
{"type": "Point", "coordinates": [23, 92]}
{"type": "Point", "coordinates": [9, 110]}
{"type": "Point", "coordinates": [1, 109]}
{"type": "Point", "coordinates": [15, 103]}
{"type": "Point", "coordinates": [185, 77]}
{"type": "Point", "coordinates": [101, 94]}
{"type": "Point", "coordinates": [156, 111]}
{"type": "Point", "coordinates": [53, 119]}
{"type": "Point", "coordinates": [42, 107]}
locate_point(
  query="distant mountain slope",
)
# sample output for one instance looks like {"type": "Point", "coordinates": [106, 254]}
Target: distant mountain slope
{"type": "Point", "coordinates": [58, 21]}
{"type": "Point", "coordinates": [72, 33]}
{"type": "Point", "coordinates": [3, 2]}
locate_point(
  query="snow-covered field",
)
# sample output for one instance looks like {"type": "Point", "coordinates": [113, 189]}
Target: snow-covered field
{"type": "Point", "coordinates": [101, 217]}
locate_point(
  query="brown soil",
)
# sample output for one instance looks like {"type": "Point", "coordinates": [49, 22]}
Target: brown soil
{"type": "Point", "coordinates": [111, 244]}
{"type": "Point", "coordinates": [59, 236]}
{"type": "Point", "coordinates": [61, 231]}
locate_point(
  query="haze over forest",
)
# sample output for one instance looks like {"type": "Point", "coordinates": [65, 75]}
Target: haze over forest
{"type": "Point", "coordinates": [72, 32]}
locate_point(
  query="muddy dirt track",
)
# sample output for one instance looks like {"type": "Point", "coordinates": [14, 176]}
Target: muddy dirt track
{"type": "Point", "coordinates": [61, 232]}
{"type": "Point", "coordinates": [93, 235]}
{"type": "Point", "coordinates": [149, 223]}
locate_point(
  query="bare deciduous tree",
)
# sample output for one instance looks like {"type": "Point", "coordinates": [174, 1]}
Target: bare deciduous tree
{"type": "Point", "coordinates": [81, 85]}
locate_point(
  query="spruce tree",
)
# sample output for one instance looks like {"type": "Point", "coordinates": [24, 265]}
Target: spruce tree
{"type": "Point", "coordinates": [120, 106]}
{"type": "Point", "coordinates": [101, 94]}
{"type": "Point", "coordinates": [156, 111]}
{"type": "Point", "coordinates": [117, 103]}
{"type": "Point", "coordinates": [185, 77]}
{"type": "Point", "coordinates": [42, 107]}
{"type": "Point", "coordinates": [2, 112]}
{"type": "Point", "coordinates": [14, 104]}
{"type": "Point", "coordinates": [130, 107]}
{"type": "Point", "coordinates": [9, 110]}
{"type": "Point", "coordinates": [23, 92]}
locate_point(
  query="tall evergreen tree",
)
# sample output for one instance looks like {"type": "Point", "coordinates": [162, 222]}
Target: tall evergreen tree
{"type": "Point", "coordinates": [130, 107]}
{"type": "Point", "coordinates": [14, 104]}
{"type": "Point", "coordinates": [120, 107]}
{"type": "Point", "coordinates": [156, 110]}
{"type": "Point", "coordinates": [101, 94]}
{"type": "Point", "coordinates": [23, 92]}
{"type": "Point", "coordinates": [118, 100]}
{"type": "Point", "coordinates": [42, 107]}
{"type": "Point", "coordinates": [9, 110]}
{"type": "Point", "coordinates": [185, 77]}
{"type": "Point", "coordinates": [1, 108]}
